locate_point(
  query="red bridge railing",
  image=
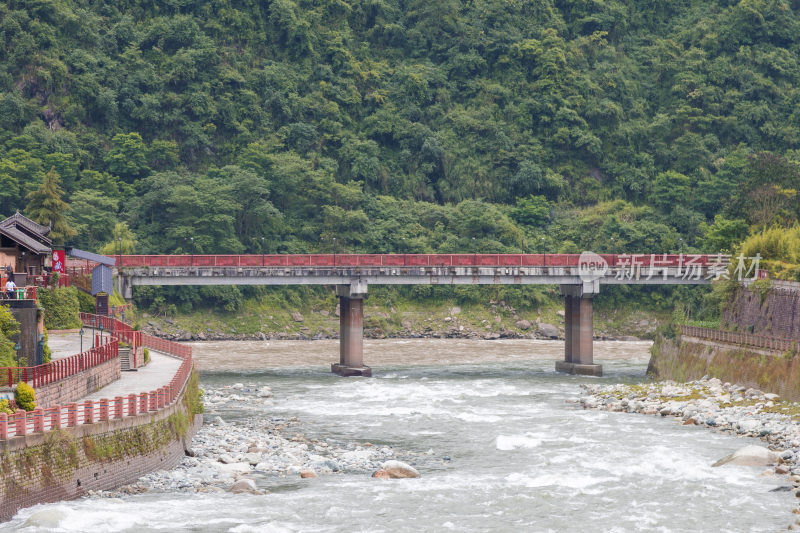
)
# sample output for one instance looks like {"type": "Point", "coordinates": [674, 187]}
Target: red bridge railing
{"type": "Point", "coordinates": [117, 329]}
{"type": "Point", "coordinates": [455, 260]}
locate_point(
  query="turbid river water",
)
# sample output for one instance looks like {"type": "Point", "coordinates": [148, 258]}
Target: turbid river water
{"type": "Point", "coordinates": [510, 451]}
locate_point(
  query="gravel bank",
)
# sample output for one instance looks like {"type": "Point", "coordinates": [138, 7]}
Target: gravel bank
{"type": "Point", "coordinates": [256, 453]}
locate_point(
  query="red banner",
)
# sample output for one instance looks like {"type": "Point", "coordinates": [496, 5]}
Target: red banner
{"type": "Point", "coordinates": [59, 261]}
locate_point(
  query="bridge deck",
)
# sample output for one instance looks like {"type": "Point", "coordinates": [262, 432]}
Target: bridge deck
{"type": "Point", "coordinates": [408, 276]}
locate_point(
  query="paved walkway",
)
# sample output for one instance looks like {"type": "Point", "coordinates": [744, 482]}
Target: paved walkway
{"type": "Point", "coordinates": [66, 344]}
{"type": "Point", "coordinates": [157, 373]}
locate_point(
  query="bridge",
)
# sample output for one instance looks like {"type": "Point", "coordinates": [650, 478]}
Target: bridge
{"type": "Point", "coordinates": [580, 277]}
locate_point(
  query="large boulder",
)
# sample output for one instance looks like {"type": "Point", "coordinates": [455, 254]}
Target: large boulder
{"type": "Point", "coordinates": [548, 330]}
{"type": "Point", "coordinates": [296, 316]}
{"type": "Point", "coordinates": [245, 486]}
{"type": "Point", "coordinates": [399, 470]}
{"type": "Point", "coordinates": [226, 459]}
{"type": "Point", "coordinates": [233, 468]}
{"type": "Point", "coordinates": [750, 456]}
{"type": "Point", "coordinates": [523, 324]}
{"type": "Point", "coordinates": [252, 457]}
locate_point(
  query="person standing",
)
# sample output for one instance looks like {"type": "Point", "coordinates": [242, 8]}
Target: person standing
{"type": "Point", "coordinates": [10, 288]}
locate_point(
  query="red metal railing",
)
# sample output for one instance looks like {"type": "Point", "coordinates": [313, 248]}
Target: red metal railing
{"type": "Point", "coordinates": [60, 368]}
{"type": "Point", "coordinates": [40, 420]}
{"type": "Point", "coordinates": [117, 329]}
{"type": "Point", "coordinates": [165, 346]}
{"type": "Point", "coordinates": [45, 280]}
{"type": "Point", "coordinates": [323, 260]}
{"type": "Point", "coordinates": [736, 337]}
{"type": "Point", "coordinates": [20, 293]}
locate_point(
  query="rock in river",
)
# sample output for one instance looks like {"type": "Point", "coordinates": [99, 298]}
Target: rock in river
{"type": "Point", "coordinates": [245, 486]}
{"type": "Point", "coordinates": [548, 330]}
{"type": "Point", "coordinates": [750, 456]}
{"type": "Point", "coordinates": [399, 470]}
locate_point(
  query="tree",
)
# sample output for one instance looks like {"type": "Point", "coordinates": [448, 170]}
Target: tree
{"type": "Point", "coordinates": [46, 206]}
{"type": "Point", "coordinates": [770, 203]}
{"type": "Point", "coordinates": [123, 241]}
{"type": "Point", "coordinates": [128, 156]}
{"type": "Point", "coordinates": [724, 234]}
{"type": "Point", "coordinates": [93, 216]}
{"type": "Point", "coordinates": [532, 211]}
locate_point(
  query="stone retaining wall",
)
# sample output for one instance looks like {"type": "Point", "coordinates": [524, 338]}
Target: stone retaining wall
{"type": "Point", "coordinates": [65, 464]}
{"type": "Point", "coordinates": [74, 388]}
{"type": "Point", "coordinates": [775, 313]}
{"type": "Point", "coordinates": [688, 358]}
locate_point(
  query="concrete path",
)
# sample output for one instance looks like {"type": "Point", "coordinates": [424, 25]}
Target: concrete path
{"type": "Point", "coordinates": [157, 373]}
{"type": "Point", "coordinates": [66, 344]}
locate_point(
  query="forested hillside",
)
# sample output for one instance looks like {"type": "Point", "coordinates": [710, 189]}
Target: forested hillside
{"type": "Point", "coordinates": [403, 125]}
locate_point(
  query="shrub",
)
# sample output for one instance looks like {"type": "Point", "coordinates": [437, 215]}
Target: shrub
{"type": "Point", "coordinates": [5, 407]}
{"type": "Point", "coordinates": [25, 396]}
{"type": "Point", "coordinates": [146, 356]}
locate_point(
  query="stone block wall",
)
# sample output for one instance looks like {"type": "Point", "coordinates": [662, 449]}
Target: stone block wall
{"type": "Point", "coordinates": [687, 359]}
{"type": "Point", "coordinates": [776, 313]}
{"type": "Point", "coordinates": [30, 319]}
{"type": "Point", "coordinates": [76, 387]}
{"type": "Point", "coordinates": [65, 464]}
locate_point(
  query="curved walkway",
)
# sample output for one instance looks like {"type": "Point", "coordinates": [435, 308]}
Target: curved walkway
{"type": "Point", "coordinates": [156, 374]}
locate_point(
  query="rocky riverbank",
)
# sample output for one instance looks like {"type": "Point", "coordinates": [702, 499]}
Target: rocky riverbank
{"type": "Point", "coordinates": [489, 320]}
{"type": "Point", "coordinates": [254, 454]}
{"type": "Point", "coordinates": [723, 407]}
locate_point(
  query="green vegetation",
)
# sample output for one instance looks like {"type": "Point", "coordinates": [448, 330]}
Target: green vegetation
{"type": "Point", "coordinates": [47, 354]}
{"type": "Point", "coordinates": [61, 307]}
{"type": "Point", "coordinates": [487, 126]}
{"type": "Point", "coordinates": [9, 327]}
{"type": "Point", "coordinates": [25, 396]}
{"type": "Point", "coordinates": [46, 206]}
{"type": "Point", "coordinates": [780, 248]}
{"type": "Point", "coordinates": [5, 407]}
{"type": "Point", "coordinates": [193, 398]}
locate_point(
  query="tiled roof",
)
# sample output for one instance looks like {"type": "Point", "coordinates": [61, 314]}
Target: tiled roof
{"type": "Point", "coordinates": [25, 222]}
{"type": "Point", "coordinates": [27, 233]}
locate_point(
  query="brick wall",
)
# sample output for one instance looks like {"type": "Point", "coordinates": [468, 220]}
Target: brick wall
{"type": "Point", "coordinates": [76, 387]}
{"type": "Point", "coordinates": [45, 468]}
{"type": "Point", "coordinates": [778, 314]}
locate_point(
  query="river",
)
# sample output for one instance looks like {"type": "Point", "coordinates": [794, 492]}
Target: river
{"type": "Point", "coordinates": [507, 450]}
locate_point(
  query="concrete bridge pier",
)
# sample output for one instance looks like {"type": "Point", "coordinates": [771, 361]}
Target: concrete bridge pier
{"type": "Point", "coordinates": [351, 330]}
{"type": "Point", "coordinates": [578, 329]}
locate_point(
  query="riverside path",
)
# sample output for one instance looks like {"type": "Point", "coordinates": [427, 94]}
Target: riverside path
{"type": "Point", "coordinates": [156, 374]}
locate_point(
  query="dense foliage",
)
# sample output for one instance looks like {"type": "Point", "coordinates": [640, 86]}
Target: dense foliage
{"type": "Point", "coordinates": [9, 327]}
{"type": "Point", "coordinates": [492, 125]}
{"type": "Point", "coordinates": [780, 248]}
{"type": "Point", "coordinates": [61, 307]}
